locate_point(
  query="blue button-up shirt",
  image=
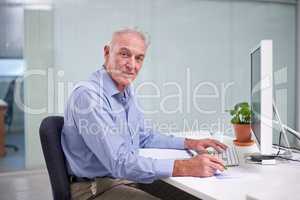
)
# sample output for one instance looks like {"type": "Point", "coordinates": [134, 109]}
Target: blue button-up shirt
{"type": "Point", "coordinates": [104, 130]}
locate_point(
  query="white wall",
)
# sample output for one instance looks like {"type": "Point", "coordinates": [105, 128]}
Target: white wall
{"type": "Point", "coordinates": [211, 39]}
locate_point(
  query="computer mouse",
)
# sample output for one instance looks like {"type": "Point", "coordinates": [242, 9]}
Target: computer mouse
{"type": "Point", "coordinates": [217, 172]}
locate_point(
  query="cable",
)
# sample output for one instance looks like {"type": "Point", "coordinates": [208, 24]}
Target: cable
{"type": "Point", "coordinates": [293, 134]}
{"type": "Point", "coordinates": [289, 148]}
{"type": "Point", "coordinates": [279, 143]}
{"type": "Point", "coordinates": [283, 128]}
{"type": "Point", "coordinates": [279, 148]}
{"type": "Point", "coordinates": [288, 158]}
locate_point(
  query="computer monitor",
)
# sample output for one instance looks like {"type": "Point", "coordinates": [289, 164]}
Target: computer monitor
{"type": "Point", "coordinates": [262, 95]}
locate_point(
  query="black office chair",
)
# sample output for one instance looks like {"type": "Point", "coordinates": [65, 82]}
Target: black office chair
{"type": "Point", "coordinates": [50, 132]}
{"type": "Point", "coordinates": [8, 119]}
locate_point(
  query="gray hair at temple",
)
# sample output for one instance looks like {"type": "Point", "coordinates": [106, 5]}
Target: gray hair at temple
{"type": "Point", "coordinates": [144, 36]}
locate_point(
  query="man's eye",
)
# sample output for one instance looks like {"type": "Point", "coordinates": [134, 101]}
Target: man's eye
{"type": "Point", "coordinates": [124, 54]}
{"type": "Point", "coordinates": [140, 59]}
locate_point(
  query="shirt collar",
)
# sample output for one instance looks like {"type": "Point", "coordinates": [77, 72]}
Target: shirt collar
{"type": "Point", "coordinates": [110, 86]}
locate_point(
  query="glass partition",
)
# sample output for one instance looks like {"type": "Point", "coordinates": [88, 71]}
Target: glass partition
{"type": "Point", "coordinates": [196, 67]}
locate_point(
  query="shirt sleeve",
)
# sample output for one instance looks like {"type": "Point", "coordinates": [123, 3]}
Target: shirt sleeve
{"type": "Point", "coordinates": [149, 138]}
{"type": "Point", "coordinates": [95, 124]}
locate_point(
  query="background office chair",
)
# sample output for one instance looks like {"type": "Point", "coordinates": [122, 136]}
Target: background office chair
{"type": "Point", "coordinates": [50, 132]}
{"type": "Point", "coordinates": [8, 119]}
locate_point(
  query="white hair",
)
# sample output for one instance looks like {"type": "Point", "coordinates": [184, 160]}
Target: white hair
{"type": "Point", "coordinates": [144, 36]}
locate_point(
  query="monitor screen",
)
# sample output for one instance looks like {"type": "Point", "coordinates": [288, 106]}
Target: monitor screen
{"type": "Point", "coordinates": [256, 93]}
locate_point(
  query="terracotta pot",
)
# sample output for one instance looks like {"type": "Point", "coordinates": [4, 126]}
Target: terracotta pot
{"type": "Point", "coordinates": [242, 132]}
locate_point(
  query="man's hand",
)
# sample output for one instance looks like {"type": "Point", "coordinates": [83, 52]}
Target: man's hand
{"type": "Point", "coordinates": [202, 165]}
{"type": "Point", "coordinates": [201, 145]}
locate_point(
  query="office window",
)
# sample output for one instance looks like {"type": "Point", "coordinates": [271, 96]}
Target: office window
{"type": "Point", "coordinates": [11, 31]}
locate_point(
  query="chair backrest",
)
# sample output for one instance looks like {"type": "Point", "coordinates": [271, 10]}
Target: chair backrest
{"type": "Point", "coordinates": [9, 99]}
{"type": "Point", "coordinates": [50, 135]}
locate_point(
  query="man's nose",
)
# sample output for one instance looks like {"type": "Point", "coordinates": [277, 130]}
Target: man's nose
{"type": "Point", "coordinates": [131, 63]}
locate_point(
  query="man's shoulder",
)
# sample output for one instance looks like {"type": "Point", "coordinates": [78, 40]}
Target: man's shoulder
{"type": "Point", "coordinates": [83, 100]}
{"type": "Point", "coordinates": [85, 92]}
{"type": "Point", "coordinates": [94, 83]}
{"type": "Point", "coordinates": [88, 87]}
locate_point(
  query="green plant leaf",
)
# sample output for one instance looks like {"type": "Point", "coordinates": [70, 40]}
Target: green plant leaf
{"type": "Point", "coordinates": [241, 114]}
{"type": "Point", "coordinates": [232, 112]}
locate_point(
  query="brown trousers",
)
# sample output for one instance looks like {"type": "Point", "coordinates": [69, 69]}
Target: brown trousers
{"type": "Point", "coordinates": [108, 189]}
{"type": "Point", "coordinates": [105, 188]}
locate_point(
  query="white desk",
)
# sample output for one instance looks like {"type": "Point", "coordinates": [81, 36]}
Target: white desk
{"type": "Point", "coordinates": [3, 103]}
{"type": "Point", "coordinates": [247, 181]}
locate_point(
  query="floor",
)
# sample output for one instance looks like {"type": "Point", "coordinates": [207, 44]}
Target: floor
{"type": "Point", "coordinates": [35, 185]}
{"type": "Point", "coordinates": [13, 161]}
{"type": "Point", "coordinates": [25, 185]}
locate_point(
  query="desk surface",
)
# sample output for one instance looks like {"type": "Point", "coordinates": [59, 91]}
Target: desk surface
{"type": "Point", "coordinates": [247, 181]}
{"type": "Point", "coordinates": [3, 103]}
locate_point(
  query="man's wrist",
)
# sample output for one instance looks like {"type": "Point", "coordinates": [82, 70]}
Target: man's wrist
{"type": "Point", "coordinates": [189, 143]}
{"type": "Point", "coordinates": [180, 168]}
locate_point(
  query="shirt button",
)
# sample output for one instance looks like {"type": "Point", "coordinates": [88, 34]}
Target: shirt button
{"type": "Point", "coordinates": [123, 100]}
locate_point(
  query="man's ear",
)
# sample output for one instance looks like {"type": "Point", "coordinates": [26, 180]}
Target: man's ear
{"type": "Point", "coordinates": [106, 51]}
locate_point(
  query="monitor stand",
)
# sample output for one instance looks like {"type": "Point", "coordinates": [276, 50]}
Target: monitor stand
{"type": "Point", "coordinates": [263, 159]}
{"type": "Point", "coordinates": [270, 159]}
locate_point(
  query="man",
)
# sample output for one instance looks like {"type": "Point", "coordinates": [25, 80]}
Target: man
{"type": "Point", "coordinates": [104, 129]}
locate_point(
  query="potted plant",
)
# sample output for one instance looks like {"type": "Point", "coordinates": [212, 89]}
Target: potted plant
{"type": "Point", "coordinates": [241, 118]}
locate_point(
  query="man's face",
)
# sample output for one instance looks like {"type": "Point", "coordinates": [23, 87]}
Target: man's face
{"type": "Point", "coordinates": [124, 58]}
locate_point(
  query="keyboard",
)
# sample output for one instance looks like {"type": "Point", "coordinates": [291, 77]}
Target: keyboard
{"type": "Point", "coordinates": [229, 156]}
